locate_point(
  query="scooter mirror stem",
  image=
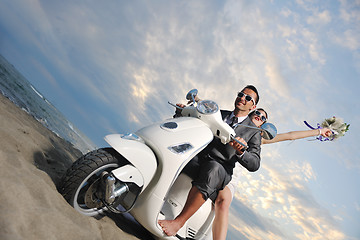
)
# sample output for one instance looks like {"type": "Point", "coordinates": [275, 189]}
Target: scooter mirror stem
{"type": "Point", "coordinates": [192, 95]}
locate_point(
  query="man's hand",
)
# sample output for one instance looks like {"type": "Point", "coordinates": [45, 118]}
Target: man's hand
{"type": "Point", "coordinates": [197, 99]}
{"type": "Point", "coordinates": [238, 147]}
{"type": "Point", "coordinates": [178, 111]}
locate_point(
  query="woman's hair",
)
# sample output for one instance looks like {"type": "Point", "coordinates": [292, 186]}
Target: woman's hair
{"type": "Point", "coordinates": [259, 109]}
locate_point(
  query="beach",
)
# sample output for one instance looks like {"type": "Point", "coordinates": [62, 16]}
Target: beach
{"type": "Point", "coordinates": [33, 160]}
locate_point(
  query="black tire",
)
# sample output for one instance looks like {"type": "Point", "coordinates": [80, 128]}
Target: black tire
{"type": "Point", "coordinates": [83, 173]}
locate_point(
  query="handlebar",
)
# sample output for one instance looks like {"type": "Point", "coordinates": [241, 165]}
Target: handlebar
{"type": "Point", "coordinates": [208, 112]}
{"type": "Point", "coordinates": [174, 105]}
{"type": "Point", "coordinates": [233, 138]}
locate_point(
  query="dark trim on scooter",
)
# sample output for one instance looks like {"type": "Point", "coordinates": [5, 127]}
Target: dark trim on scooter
{"type": "Point", "coordinates": [181, 238]}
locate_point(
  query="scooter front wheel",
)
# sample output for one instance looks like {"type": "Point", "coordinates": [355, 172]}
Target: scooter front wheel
{"type": "Point", "coordinates": [77, 186]}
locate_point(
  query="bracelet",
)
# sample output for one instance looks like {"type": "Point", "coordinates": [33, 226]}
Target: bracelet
{"type": "Point", "coordinates": [319, 132]}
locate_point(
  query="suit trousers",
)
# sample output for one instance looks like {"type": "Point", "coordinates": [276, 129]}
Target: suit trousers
{"type": "Point", "coordinates": [209, 176]}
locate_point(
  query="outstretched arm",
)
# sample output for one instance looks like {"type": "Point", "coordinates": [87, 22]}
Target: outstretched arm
{"type": "Point", "coordinates": [325, 132]}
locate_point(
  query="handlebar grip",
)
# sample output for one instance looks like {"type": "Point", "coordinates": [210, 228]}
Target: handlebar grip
{"type": "Point", "coordinates": [233, 138]}
{"type": "Point", "coordinates": [174, 105]}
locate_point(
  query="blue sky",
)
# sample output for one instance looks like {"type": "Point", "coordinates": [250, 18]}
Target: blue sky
{"type": "Point", "coordinates": [111, 68]}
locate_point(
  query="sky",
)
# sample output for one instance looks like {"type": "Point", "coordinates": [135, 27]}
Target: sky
{"type": "Point", "coordinates": [112, 66]}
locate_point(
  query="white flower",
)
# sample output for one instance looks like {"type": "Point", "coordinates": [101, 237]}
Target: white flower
{"type": "Point", "coordinates": [337, 125]}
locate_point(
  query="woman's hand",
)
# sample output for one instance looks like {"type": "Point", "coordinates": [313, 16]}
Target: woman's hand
{"type": "Point", "coordinates": [325, 132]}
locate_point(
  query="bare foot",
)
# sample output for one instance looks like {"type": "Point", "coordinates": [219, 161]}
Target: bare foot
{"type": "Point", "coordinates": [170, 227]}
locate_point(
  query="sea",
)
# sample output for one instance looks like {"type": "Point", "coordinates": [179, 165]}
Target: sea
{"type": "Point", "coordinates": [14, 86]}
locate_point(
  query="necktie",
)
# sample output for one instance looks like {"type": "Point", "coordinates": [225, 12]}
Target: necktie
{"type": "Point", "coordinates": [234, 121]}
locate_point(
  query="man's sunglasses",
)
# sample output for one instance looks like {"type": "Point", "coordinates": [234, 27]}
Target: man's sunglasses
{"type": "Point", "coordinates": [248, 98]}
{"type": "Point", "coordinates": [262, 117]}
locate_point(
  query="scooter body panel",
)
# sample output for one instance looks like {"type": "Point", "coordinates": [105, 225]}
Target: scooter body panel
{"type": "Point", "coordinates": [137, 153]}
{"type": "Point", "coordinates": [175, 142]}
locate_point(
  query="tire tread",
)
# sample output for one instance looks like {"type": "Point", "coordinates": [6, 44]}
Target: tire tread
{"type": "Point", "coordinates": [82, 167]}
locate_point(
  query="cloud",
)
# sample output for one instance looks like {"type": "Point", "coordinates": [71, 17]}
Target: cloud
{"type": "Point", "coordinates": [282, 194]}
{"type": "Point", "coordinates": [286, 12]}
{"type": "Point", "coordinates": [349, 39]}
{"type": "Point", "coordinates": [350, 6]}
{"type": "Point", "coordinates": [313, 46]}
{"type": "Point", "coordinates": [252, 224]}
{"type": "Point", "coordinates": [273, 71]}
{"type": "Point", "coordinates": [286, 31]}
{"type": "Point", "coordinates": [142, 86]}
{"type": "Point", "coordinates": [350, 16]}
{"type": "Point", "coordinates": [166, 51]}
{"type": "Point", "coordinates": [319, 18]}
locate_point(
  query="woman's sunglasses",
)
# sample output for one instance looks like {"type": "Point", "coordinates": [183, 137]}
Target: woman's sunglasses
{"type": "Point", "coordinates": [262, 117]}
{"type": "Point", "coordinates": [248, 98]}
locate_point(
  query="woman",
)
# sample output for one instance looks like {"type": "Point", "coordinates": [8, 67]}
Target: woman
{"type": "Point", "coordinates": [259, 117]}
{"type": "Point", "coordinates": [223, 200]}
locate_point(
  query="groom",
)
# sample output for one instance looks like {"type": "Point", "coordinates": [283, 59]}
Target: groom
{"type": "Point", "coordinates": [218, 160]}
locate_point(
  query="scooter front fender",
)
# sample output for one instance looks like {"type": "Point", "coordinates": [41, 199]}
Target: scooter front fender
{"type": "Point", "coordinates": [137, 153]}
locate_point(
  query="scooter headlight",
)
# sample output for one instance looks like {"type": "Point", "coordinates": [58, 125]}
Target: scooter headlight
{"type": "Point", "coordinates": [207, 107]}
{"type": "Point", "coordinates": [132, 136]}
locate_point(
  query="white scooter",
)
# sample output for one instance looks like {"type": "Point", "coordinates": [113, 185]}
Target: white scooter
{"type": "Point", "coordinates": [142, 172]}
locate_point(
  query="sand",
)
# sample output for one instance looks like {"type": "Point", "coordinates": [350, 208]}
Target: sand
{"type": "Point", "coordinates": [32, 161]}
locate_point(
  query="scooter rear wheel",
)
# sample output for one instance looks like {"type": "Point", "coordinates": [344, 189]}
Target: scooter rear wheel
{"type": "Point", "coordinates": [81, 176]}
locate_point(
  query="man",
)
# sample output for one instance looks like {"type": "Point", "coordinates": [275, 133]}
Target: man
{"type": "Point", "coordinates": [218, 160]}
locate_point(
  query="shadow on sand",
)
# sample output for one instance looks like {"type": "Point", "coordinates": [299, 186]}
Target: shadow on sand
{"type": "Point", "coordinates": [57, 160]}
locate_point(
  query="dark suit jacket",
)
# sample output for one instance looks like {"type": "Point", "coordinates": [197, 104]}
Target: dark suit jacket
{"type": "Point", "coordinates": [228, 156]}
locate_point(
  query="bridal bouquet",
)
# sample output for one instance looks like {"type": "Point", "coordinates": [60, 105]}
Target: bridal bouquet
{"type": "Point", "coordinates": [336, 125]}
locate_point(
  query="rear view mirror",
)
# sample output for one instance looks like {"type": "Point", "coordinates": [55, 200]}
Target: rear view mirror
{"type": "Point", "coordinates": [269, 131]}
{"type": "Point", "coordinates": [191, 96]}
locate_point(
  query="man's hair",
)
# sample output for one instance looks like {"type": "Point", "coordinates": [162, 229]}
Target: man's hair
{"type": "Point", "coordinates": [251, 87]}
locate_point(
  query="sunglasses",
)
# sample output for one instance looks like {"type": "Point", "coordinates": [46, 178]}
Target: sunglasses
{"type": "Point", "coordinates": [248, 98]}
{"type": "Point", "coordinates": [262, 117]}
